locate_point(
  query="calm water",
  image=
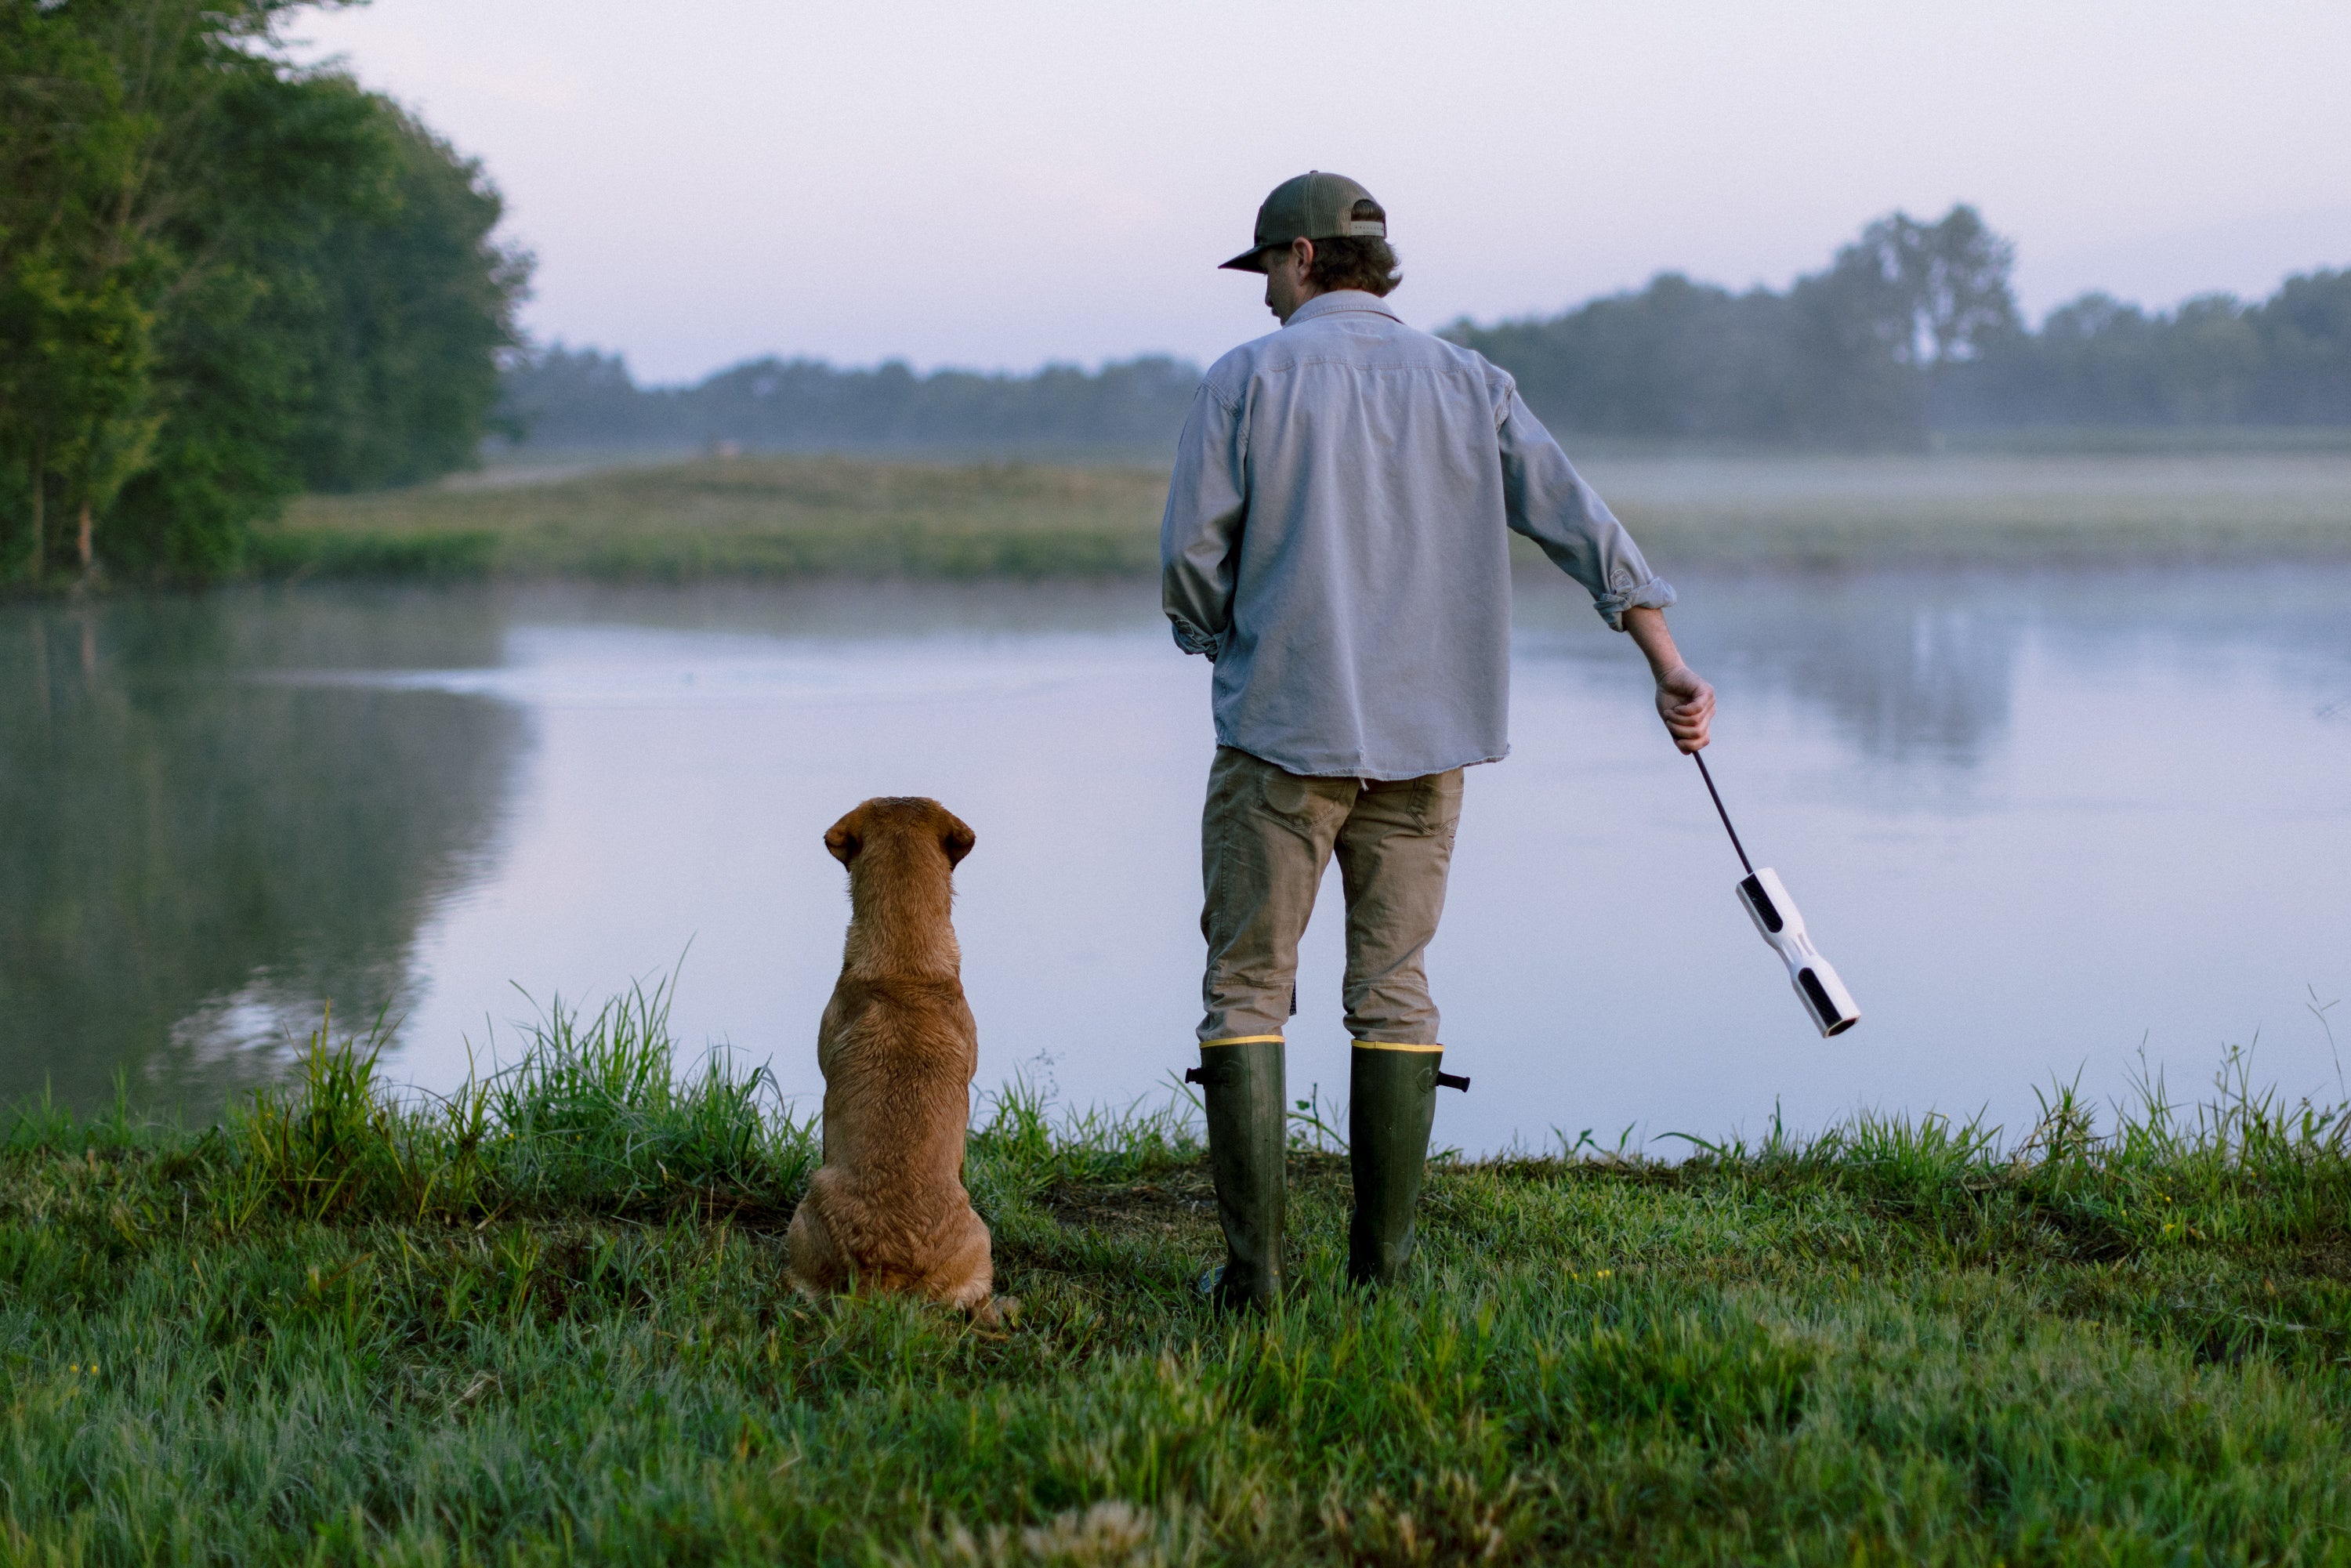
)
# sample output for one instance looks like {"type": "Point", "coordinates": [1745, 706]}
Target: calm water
{"type": "Point", "coordinates": [2042, 823]}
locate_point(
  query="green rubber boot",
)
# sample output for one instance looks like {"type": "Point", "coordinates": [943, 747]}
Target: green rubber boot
{"type": "Point", "coordinates": [1247, 1129]}
{"type": "Point", "coordinates": [1391, 1105]}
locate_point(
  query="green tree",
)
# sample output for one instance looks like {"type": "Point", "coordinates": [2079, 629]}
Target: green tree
{"type": "Point", "coordinates": [80, 355]}
{"type": "Point", "coordinates": [221, 276]}
{"type": "Point", "coordinates": [415, 308]}
{"type": "Point", "coordinates": [1892, 314]}
{"type": "Point", "coordinates": [263, 376]}
{"type": "Point", "coordinates": [2304, 331]}
{"type": "Point", "coordinates": [1940, 289]}
{"type": "Point", "coordinates": [274, 159]}
{"type": "Point", "coordinates": [1849, 356]}
{"type": "Point", "coordinates": [2212, 360]}
{"type": "Point", "coordinates": [81, 275]}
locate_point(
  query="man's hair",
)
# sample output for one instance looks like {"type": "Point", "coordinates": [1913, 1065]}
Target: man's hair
{"type": "Point", "coordinates": [1351, 263]}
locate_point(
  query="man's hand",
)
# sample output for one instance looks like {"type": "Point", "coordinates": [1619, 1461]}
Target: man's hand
{"type": "Point", "coordinates": [1685, 702]}
{"type": "Point", "coordinates": [1686, 705]}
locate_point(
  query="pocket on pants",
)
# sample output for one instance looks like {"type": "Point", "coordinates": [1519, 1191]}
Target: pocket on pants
{"type": "Point", "coordinates": [1298, 799]}
{"type": "Point", "coordinates": [1437, 803]}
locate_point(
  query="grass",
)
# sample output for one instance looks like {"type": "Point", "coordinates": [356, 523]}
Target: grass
{"type": "Point", "coordinates": [784, 516]}
{"type": "Point", "coordinates": [544, 1319]}
{"type": "Point", "coordinates": [765, 517]}
{"type": "Point", "coordinates": [1986, 509]}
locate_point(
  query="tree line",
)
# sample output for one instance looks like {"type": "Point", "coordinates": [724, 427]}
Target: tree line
{"type": "Point", "coordinates": [1912, 328]}
{"type": "Point", "coordinates": [583, 398]}
{"type": "Point", "coordinates": [223, 279]}
{"type": "Point", "coordinates": [2215, 360]}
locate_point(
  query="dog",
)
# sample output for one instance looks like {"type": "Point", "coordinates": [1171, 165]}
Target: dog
{"type": "Point", "coordinates": [898, 1048]}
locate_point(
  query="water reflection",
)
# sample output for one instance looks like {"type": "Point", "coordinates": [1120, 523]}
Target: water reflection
{"type": "Point", "coordinates": [191, 862]}
{"type": "Point", "coordinates": [1903, 681]}
{"type": "Point", "coordinates": [1922, 666]}
{"type": "Point", "coordinates": [1904, 669]}
{"type": "Point", "coordinates": [2036, 818]}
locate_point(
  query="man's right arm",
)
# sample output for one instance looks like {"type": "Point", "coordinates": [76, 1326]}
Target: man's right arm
{"type": "Point", "coordinates": [1207, 498]}
{"type": "Point", "coordinates": [1684, 699]}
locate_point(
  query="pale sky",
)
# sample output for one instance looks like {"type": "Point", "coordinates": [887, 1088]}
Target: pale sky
{"type": "Point", "coordinates": [996, 185]}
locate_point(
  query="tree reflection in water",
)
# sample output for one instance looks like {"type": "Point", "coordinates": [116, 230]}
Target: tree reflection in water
{"type": "Point", "coordinates": [194, 861]}
{"type": "Point", "coordinates": [1922, 666]}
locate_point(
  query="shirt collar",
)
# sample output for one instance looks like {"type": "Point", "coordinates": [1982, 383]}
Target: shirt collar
{"type": "Point", "coordinates": [1340, 299]}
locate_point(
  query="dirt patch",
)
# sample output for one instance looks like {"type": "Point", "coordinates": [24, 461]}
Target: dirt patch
{"type": "Point", "coordinates": [1178, 1202]}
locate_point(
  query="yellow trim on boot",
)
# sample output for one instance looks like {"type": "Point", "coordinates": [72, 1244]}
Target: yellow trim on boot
{"type": "Point", "coordinates": [1245, 1039]}
{"type": "Point", "coordinates": [1392, 1045]}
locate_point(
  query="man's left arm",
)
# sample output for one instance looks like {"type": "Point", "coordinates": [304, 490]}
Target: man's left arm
{"type": "Point", "coordinates": [1547, 500]}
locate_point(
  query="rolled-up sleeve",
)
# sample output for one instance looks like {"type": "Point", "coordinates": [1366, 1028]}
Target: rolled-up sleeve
{"type": "Point", "coordinates": [1547, 500]}
{"type": "Point", "coordinates": [1208, 499]}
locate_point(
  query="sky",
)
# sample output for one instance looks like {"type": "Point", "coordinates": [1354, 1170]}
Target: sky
{"type": "Point", "coordinates": [1001, 185]}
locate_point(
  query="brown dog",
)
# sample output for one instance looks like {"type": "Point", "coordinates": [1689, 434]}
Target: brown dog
{"type": "Point", "coordinates": [887, 1210]}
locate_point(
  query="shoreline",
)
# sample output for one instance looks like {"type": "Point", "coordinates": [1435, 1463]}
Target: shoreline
{"type": "Point", "coordinates": [545, 1317]}
{"type": "Point", "coordinates": [777, 517]}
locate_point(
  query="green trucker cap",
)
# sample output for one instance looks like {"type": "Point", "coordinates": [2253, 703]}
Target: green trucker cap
{"type": "Point", "coordinates": [1314, 205]}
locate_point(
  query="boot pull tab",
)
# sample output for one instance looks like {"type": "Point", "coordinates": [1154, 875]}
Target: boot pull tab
{"type": "Point", "coordinates": [1453, 1080]}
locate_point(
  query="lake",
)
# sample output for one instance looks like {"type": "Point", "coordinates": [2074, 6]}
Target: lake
{"type": "Point", "coordinates": [2048, 825]}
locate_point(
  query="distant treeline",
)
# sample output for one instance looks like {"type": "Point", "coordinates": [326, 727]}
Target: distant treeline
{"type": "Point", "coordinates": [223, 279]}
{"type": "Point", "coordinates": [2215, 360]}
{"type": "Point", "coordinates": [1911, 329]}
{"type": "Point", "coordinates": [570, 398]}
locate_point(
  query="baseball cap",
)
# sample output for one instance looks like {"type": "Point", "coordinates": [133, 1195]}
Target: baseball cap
{"type": "Point", "coordinates": [1314, 205]}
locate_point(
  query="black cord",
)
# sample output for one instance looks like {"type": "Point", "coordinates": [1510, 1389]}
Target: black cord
{"type": "Point", "coordinates": [1699, 757]}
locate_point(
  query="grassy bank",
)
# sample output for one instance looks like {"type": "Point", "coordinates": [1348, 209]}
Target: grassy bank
{"type": "Point", "coordinates": [545, 1320]}
{"type": "Point", "coordinates": [2005, 510]}
{"type": "Point", "coordinates": [780, 516]}
{"type": "Point", "coordinates": [767, 516]}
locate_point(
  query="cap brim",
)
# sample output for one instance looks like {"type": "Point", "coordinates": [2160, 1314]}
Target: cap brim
{"type": "Point", "coordinates": [1250, 260]}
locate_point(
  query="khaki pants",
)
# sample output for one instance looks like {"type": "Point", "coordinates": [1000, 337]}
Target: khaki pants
{"type": "Point", "coordinates": [1266, 836]}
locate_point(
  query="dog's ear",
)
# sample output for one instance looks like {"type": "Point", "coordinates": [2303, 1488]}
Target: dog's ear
{"type": "Point", "coordinates": [956, 839]}
{"type": "Point", "coordinates": [843, 840]}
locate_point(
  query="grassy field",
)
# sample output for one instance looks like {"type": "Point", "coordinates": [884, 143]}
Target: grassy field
{"type": "Point", "coordinates": [546, 1322]}
{"type": "Point", "coordinates": [773, 515]}
{"type": "Point", "coordinates": [745, 517]}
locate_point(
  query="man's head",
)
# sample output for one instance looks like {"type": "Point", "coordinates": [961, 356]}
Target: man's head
{"type": "Point", "coordinates": [1316, 233]}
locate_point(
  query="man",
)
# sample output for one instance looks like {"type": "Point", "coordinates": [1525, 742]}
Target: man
{"type": "Point", "coordinates": [1336, 541]}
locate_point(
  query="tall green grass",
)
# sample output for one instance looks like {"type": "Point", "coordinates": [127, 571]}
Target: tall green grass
{"type": "Point", "coordinates": [592, 1117]}
{"type": "Point", "coordinates": [544, 1318]}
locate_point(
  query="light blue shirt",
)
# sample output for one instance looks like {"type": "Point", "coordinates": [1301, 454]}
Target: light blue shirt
{"type": "Point", "coordinates": [1336, 540]}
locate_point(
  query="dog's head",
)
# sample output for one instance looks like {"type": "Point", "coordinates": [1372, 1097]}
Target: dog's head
{"type": "Point", "coordinates": [898, 824]}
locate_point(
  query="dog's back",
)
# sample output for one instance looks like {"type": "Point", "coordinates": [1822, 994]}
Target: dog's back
{"type": "Point", "coordinates": [898, 1047]}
